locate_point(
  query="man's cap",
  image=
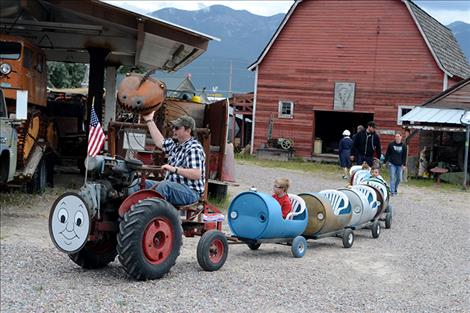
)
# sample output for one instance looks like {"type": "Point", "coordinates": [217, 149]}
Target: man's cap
{"type": "Point", "coordinates": [186, 121]}
{"type": "Point", "coordinates": [346, 132]}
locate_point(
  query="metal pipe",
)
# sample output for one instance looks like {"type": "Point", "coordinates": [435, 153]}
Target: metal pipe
{"type": "Point", "coordinates": [465, 165]}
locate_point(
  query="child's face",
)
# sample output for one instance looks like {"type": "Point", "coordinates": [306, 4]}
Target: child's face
{"type": "Point", "coordinates": [278, 190]}
{"type": "Point", "coordinates": [375, 172]}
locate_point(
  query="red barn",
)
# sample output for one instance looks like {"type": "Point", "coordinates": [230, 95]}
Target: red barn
{"type": "Point", "coordinates": [332, 65]}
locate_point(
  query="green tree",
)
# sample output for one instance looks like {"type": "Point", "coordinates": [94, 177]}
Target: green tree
{"type": "Point", "coordinates": [65, 75]}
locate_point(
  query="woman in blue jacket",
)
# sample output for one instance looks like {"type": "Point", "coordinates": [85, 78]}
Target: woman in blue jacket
{"type": "Point", "coordinates": [345, 146]}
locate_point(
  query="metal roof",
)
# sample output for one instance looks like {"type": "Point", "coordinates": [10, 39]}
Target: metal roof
{"type": "Point", "coordinates": [67, 29]}
{"type": "Point", "coordinates": [433, 115]}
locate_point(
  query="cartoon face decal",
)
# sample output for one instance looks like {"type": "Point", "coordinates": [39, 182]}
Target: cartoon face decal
{"type": "Point", "coordinates": [69, 223]}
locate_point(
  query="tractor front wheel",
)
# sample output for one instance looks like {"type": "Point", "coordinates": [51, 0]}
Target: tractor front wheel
{"type": "Point", "coordinates": [149, 239]}
{"type": "Point", "coordinates": [96, 255]}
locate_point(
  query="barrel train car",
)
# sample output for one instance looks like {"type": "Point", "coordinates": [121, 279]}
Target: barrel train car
{"type": "Point", "coordinates": [255, 218]}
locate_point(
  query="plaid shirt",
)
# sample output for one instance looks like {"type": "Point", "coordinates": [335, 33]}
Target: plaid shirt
{"type": "Point", "coordinates": [187, 155]}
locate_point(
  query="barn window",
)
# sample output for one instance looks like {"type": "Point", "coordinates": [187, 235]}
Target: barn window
{"type": "Point", "coordinates": [402, 110]}
{"type": "Point", "coordinates": [286, 109]}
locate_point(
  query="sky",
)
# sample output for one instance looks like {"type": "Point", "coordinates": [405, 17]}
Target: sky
{"type": "Point", "coordinates": [445, 12]}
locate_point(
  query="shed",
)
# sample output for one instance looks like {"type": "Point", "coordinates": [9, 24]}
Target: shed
{"type": "Point", "coordinates": [438, 120]}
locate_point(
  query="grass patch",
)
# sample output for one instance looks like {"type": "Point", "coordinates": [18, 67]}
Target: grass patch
{"type": "Point", "coordinates": [221, 204]}
{"type": "Point", "coordinates": [333, 169]}
{"type": "Point", "coordinates": [295, 164]}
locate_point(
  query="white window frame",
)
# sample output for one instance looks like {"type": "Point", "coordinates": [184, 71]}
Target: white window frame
{"type": "Point", "coordinates": [280, 114]}
{"type": "Point", "coordinates": [400, 112]}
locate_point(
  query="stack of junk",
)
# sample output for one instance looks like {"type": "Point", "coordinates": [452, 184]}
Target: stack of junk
{"type": "Point", "coordinates": [255, 217]}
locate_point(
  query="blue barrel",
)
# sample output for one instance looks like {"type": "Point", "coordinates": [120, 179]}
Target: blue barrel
{"type": "Point", "coordinates": [256, 215]}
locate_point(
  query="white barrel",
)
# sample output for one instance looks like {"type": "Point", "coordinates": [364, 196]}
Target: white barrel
{"type": "Point", "coordinates": [360, 176]}
{"type": "Point", "coordinates": [369, 211]}
{"type": "Point", "coordinates": [359, 203]}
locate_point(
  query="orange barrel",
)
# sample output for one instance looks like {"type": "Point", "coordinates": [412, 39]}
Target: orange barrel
{"type": "Point", "coordinates": [322, 218]}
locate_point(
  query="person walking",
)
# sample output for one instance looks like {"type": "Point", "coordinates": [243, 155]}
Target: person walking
{"type": "Point", "coordinates": [396, 158]}
{"type": "Point", "coordinates": [345, 147]}
{"type": "Point", "coordinates": [366, 145]}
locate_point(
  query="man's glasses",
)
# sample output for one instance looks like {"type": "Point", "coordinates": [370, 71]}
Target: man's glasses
{"type": "Point", "coordinates": [176, 127]}
{"type": "Point", "coordinates": [277, 186]}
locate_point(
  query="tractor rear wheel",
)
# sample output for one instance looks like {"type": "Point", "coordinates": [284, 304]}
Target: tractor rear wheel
{"type": "Point", "coordinates": [149, 239]}
{"type": "Point", "coordinates": [96, 255]}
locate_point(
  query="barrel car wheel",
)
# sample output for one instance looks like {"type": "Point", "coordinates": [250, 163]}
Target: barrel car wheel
{"type": "Point", "coordinates": [149, 239]}
{"type": "Point", "coordinates": [375, 229]}
{"type": "Point", "coordinates": [299, 246]}
{"type": "Point", "coordinates": [348, 238]}
{"type": "Point", "coordinates": [96, 255]}
{"type": "Point", "coordinates": [212, 250]}
{"type": "Point", "coordinates": [388, 217]}
{"type": "Point", "coordinates": [388, 220]}
{"type": "Point", "coordinates": [254, 246]}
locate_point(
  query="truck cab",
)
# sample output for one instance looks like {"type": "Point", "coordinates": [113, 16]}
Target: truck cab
{"type": "Point", "coordinates": [8, 144]}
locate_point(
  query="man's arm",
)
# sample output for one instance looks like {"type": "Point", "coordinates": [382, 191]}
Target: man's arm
{"type": "Point", "coordinates": [404, 154]}
{"type": "Point", "coordinates": [189, 173]}
{"type": "Point", "coordinates": [153, 129]}
{"type": "Point", "coordinates": [379, 147]}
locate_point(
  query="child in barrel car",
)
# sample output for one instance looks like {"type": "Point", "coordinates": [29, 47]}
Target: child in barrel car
{"type": "Point", "coordinates": [281, 185]}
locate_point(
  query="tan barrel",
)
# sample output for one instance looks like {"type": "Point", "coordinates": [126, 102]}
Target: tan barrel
{"type": "Point", "coordinates": [321, 218]}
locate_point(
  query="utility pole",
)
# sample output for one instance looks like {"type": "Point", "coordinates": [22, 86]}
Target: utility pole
{"type": "Point", "coordinates": [230, 81]}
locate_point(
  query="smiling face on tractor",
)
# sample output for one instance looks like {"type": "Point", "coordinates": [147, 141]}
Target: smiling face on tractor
{"type": "Point", "coordinates": [69, 223]}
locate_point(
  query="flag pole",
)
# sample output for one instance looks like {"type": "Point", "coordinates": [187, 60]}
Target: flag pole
{"type": "Point", "coordinates": [87, 156]}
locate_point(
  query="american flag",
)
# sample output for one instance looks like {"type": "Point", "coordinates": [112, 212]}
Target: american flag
{"type": "Point", "coordinates": [96, 136]}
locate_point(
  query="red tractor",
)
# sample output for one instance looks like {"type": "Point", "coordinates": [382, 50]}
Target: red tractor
{"type": "Point", "coordinates": [143, 229]}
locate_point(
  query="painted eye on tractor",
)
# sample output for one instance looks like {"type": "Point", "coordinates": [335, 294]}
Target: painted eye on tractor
{"type": "Point", "coordinates": [78, 218]}
{"type": "Point", "coordinates": [63, 215]}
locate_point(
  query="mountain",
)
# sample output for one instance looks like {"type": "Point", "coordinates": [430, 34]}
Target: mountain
{"type": "Point", "coordinates": [243, 37]}
{"type": "Point", "coordinates": [461, 32]}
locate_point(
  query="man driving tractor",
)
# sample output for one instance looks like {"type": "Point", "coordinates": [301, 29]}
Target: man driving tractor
{"type": "Point", "coordinates": [185, 171]}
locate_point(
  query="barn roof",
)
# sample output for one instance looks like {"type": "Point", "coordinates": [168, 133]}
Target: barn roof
{"type": "Point", "coordinates": [439, 39]}
{"type": "Point", "coordinates": [441, 42]}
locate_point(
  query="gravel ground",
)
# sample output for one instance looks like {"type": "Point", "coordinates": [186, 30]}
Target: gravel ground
{"type": "Point", "coordinates": [420, 265]}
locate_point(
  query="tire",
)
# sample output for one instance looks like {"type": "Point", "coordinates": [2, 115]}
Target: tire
{"type": "Point", "coordinates": [348, 238]}
{"type": "Point", "coordinates": [95, 255]}
{"type": "Point", "coordinates": [299, 246]}
{"type": "Point", "coordinates": [149, 239]}
{"type": "Point", "coordinates": [212, 250]}
{"type": "Point", "coordinates": [37, 185]}
{"type": "Point", "coordinates": [388, 220]}
{"type": "Point", "coordinates": [253, 246]}
{"type": "Point", "coordinates": [375, 229]}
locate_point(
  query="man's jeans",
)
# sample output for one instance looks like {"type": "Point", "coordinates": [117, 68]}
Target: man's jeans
{"type": "Point", "coordinates": [395, 176]}
{"type": "Point", "coordinates": [175, 193]}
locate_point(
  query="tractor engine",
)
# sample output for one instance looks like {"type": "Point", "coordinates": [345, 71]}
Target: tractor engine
{"type": "Point", "coordinates": [90, 217]}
